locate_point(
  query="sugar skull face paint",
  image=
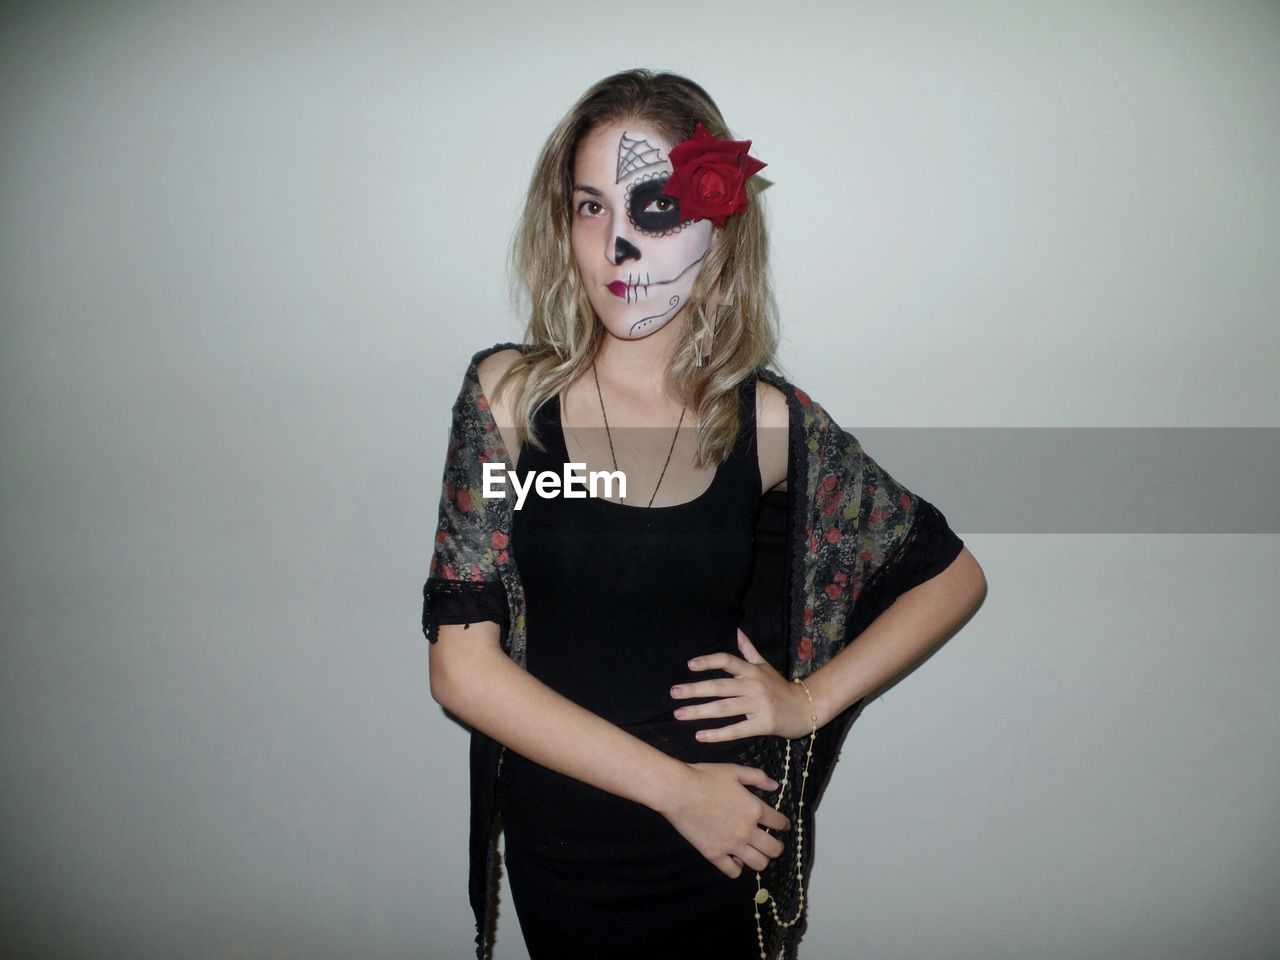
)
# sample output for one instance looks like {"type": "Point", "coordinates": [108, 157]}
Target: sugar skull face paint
{"type": "Point", "coordinates": [638, 260]}
{"type": "Point", "coordinates": [648, 210]}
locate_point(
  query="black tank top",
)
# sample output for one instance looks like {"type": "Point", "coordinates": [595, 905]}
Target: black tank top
{"type": "Point", "coordinates": [621, 597]}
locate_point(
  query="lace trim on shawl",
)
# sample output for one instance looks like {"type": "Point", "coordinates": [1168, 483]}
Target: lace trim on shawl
{"type": "Point", "coordinates": [462, 601]}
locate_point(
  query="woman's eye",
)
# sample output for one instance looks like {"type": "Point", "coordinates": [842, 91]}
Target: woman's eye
{"type": "Point", "coordinates": [590, 208]}
{"type": "Point", "coordinates": [661, 205]}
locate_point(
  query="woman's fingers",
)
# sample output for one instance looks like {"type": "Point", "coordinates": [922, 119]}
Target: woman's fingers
{"type": "Point", "coordinates": [753, 777]}
{"type": "Point", "coordinates": [753, 858]}
{"type": "Point", "coordinates": [721, 661]}
{"type": "Point", "coordinates": [756, 856]}
{"type": "Point", "coordinates": [749, 651]}
{"type": "Point", "coordinates": [775, 819]}
{"type": "Point", "coordinates": [768, 844]}
{"type": "Point", "coordinates": [726, 707]}
{"type": "Point", "coordinates": [724, 821]}
{"type": "Point", "coordinates": [706, 688]}
{"type": "Point", "coordinates": [734, 731]}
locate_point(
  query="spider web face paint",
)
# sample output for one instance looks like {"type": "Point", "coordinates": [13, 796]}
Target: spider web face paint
{"type": "Point", "coordinates": [649, 210]}
{"type": "Point", "coordinates": [636, 154]}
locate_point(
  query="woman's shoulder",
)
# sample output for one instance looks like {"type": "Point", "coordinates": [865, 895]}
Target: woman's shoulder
{"type": "Point", "coordinates": [497, 358]}
{"type": "Point", "coordinates": [771, 405]}
{"type": "Point", "coordinates": [776, 397]}
{"type": "Point", "coordinates": [773, 423]}
{"type": "Point", "coordinates": [491, 364]}
{"type": "Point", "coordinates": [794, 398]}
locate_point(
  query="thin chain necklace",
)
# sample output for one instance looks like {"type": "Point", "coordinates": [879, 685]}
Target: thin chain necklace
{"type": "Point", "coordinates": [610, 436]}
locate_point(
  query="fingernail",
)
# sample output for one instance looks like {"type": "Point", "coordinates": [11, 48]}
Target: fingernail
{"type": "Point", "coordinates": [676, 691]}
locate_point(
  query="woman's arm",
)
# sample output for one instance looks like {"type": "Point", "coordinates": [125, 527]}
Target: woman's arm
{"type": "Point", "coordinates": [898, 639]}
{"type": "Point", "coordinates": [707, 803]}
{"type": "Point", "coordinates": [894, 642]}
{"type": "Point", "coordinates": [918, 620]}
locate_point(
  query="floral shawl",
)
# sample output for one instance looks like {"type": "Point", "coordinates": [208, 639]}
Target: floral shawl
{"type": "Point", "coordinates": [832, 552]}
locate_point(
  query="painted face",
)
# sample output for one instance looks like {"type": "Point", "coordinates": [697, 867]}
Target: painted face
{"type": "Point", "coordinates": [637, 258]}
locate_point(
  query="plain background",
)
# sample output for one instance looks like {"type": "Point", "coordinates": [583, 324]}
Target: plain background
{"type": "Point", "coordinates": [247, 251]}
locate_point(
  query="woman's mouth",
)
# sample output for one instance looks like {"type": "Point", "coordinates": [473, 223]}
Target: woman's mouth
{"type": "Point", "coordinates": [618, 289]}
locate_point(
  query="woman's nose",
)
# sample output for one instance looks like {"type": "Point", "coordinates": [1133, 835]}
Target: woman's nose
{"type": "Point", "coordinates": [624, 250]}
{"type": "Point", "coordinates": [620, 248]}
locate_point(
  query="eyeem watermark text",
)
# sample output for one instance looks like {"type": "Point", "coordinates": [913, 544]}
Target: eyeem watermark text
{"type": "Point", "coordinates": [548, 483]}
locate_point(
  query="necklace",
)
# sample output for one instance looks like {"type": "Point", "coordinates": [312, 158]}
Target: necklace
{"type": "Point", "coordinates": [763, 894]}
{"type": "Point", "coordinates": [610, 436]}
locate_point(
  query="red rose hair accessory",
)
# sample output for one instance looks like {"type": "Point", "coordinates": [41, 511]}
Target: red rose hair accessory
{"type": "Point", "coordinates": [709, 176]}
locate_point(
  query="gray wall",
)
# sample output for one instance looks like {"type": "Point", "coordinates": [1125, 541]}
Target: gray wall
{"type": "Point", "coordinates": [247, 249]}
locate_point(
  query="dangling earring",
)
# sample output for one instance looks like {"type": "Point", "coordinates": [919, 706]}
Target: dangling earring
{"type": "Point", "coordinates": [704, 345]}
{"type": "Point", "coordinates": [703, 340]}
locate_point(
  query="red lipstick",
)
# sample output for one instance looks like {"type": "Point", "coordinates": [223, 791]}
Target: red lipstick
{"type": "Point", "coordinates": [618, 289]}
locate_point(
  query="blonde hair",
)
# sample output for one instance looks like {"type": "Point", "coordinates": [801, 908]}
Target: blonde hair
{"type": "Point", "coordinates": [731, 305]}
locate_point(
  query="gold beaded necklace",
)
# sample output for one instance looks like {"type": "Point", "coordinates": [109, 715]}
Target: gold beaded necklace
{"type": "Point", "coordinates": [762, 892]}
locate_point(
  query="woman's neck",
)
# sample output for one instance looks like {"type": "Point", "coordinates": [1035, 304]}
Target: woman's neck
{"type": "Point", "coordinates": [638, 368]}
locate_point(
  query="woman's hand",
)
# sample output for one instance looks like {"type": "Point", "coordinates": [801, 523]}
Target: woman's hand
{"type": "Point", "coordinates": [722, 818]}
{"type": "Point", "coordinates": [770, 702]}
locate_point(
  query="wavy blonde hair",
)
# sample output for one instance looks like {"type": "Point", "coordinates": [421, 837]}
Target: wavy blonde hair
{"type": "Point", "coordinates": [732, 304]}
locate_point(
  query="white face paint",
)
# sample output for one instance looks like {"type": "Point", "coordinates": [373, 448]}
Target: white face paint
{"type": "Point", "coordinates": [636, 258]}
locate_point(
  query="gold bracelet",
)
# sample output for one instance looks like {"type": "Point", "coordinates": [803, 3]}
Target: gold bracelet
{"type": "Point", "coordinates": [762, 892]}
{"type": "Point", "coordinates": [813, 711]}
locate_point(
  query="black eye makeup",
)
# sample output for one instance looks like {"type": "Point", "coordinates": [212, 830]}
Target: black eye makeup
{"type": "Point", "coordinates": [649, 211]}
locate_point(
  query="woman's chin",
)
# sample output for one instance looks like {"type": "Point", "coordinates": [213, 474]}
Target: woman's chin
{"type": "Point", "coordinates": [637, 325]}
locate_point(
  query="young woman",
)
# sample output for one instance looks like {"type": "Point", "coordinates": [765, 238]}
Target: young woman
{"type": "Point", "coordinates": [658, 682]}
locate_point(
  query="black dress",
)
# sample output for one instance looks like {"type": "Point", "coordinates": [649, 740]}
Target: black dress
{"type": "Point", "coordinates": [619, 598]}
